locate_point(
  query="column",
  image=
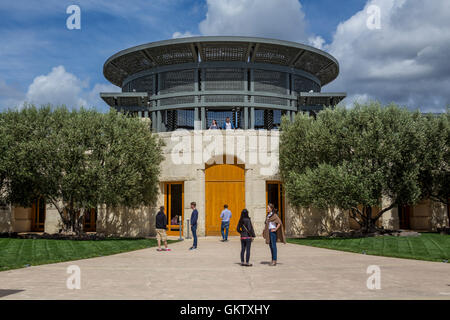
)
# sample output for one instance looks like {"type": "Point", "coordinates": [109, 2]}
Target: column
{"type": "Point", "coordinates": [203, 118]}
{"type": "Point", "coordinates": [158, 121]}
{"type": "Point", "coordinates": [196, 119]}
{"type": "Point", "coordinates": [245, 118]}
{"type": "Point", "coordinates": [252, 118]}
{"type": "Point", "coordinates": [154, 122]}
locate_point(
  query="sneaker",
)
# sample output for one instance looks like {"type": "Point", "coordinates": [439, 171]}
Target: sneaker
{"type": "Point", "coordinates": [167, 249]}
{"type": "Point", "coordinates": [248, 264]}
{"type": "Point", "coordinates": [242, 264]}
{"type": "Point", "coordinates": [192, 248]}
{"type": "Point", "coordinates": [159, 249]}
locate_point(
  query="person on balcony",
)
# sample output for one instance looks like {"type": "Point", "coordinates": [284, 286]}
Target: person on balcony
{"type": "Point", "coordinates": [228, 125]}
{"type": "Point", "coordinates": [214, 125]}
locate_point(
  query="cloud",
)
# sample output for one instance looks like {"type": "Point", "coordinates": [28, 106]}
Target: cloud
{"type": "Point", "coordinates": [405, 61]}
{"type": "Point", "coordinates": [186, 34]}
{"type": "Point", "coordinates": [281, 19]}
{"type": "Point", "coordinates": [317, 42]}
{"type": "Point", "coordinates": [58, 87]}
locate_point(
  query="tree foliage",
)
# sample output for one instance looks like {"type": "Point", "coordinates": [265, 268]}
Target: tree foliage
{"type": "Point", "coordinates": [77, 160]}
{"type": "Point", "coordinates": [353, 159]}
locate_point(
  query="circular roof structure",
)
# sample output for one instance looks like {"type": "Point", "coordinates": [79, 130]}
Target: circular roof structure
{"type": "Point", "coordinates": [220, 49]}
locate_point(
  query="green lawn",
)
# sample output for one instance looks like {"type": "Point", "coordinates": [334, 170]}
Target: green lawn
{"type": "Point", "coordinates": [428, 246]}
{"type": "Point", "coordinates": [19, 253]}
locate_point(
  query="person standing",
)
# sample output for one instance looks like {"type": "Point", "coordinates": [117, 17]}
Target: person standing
{"type": "Point", "coordinates": [161, 226]}
{"type": "Point", "coordinates": [225, 215]}
{"type": "Point", "coordinates": [245, 228]}
{"type": "Point", "coordinates": [194, 218]}
{"type": "Point", "coordinates": [228, 125]}
{"type": "Point", "coordinates": [273, 232]}
{"type": "Point", "coordinates": [214, 125]}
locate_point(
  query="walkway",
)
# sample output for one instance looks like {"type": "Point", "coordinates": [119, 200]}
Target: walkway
{"type": "Point", "coordinates": [213, 272]}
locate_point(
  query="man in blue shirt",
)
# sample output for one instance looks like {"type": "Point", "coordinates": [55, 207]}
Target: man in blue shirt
{"type": "Point", "coordinates": [194, 218]}
{"type": "Point", "coordinates": [225, 216]}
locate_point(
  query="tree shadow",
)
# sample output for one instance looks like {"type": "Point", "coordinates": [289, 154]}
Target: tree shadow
{"type": "Point", "coordinates": [7, 292]}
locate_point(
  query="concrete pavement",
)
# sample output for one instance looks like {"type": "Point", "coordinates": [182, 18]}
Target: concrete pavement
{"type": "Point", "coordinates": [213, 271]}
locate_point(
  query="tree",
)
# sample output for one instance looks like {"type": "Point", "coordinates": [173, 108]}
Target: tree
{"type": "Point", "coordinates": [435, 173]}
{"type": "Point", "coordinates": [78, 160]}
{"type": "Point", "coordinates": [353, 159]}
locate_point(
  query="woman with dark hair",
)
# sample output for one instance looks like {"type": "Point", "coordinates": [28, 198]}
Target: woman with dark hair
{"type": "Point", "coordinates": [273, 232]}
{"type": "Point", "coordinates": [214, 125]}
{"type": "Point", "coordinates": [245, 228]}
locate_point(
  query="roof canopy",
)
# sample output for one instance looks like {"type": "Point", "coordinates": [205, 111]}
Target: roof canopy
{"type": "Point", "coordinates": [212, 49]}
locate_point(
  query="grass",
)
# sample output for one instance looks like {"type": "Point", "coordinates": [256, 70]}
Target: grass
{"type": "Point", "coordinates": [427, 246]}
{"type": "Point", "coordinates": [19, 253]}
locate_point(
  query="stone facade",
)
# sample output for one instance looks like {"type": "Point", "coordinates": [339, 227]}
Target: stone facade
{"type": "Point", "coordinates": [186, 155]}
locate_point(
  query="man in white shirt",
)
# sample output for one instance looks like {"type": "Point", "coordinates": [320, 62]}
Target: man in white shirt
{"type": "Point", "coordinates": [228, 125]}
{"type": "Point", "coordinates": [225, 215]}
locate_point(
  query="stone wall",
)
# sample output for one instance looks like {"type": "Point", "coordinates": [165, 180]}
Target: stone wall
{"type": "Point", "coordinates": [22, 219]}
{"type": "Point", "coordinates": [6, 221]}
{"type": "Point", "coordinates": [303, 222]}
{"type": "Point", "coordinates": [125, 222]}
{"type": "Point", "coordinates": [186, 153]}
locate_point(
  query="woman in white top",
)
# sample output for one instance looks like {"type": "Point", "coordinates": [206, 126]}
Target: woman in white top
{"type": "Point", "coordinates": [273, 232]}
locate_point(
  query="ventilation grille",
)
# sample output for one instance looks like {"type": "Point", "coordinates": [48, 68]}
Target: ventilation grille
{"type": "Point", "coordinates": [224, 98]}
{"type": "Point", "coordinates": [177, 100]}
{"type": "Point", "coordinates": [270, 81]}
{"type": "Point", "coordinates": [224, 79]}
{"type": "Point", "coordinates": [177, 81]}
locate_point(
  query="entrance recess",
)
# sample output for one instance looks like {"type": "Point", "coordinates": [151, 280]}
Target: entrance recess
{"type": "Point", "coordinates": [404, 214]}
{"type": "Point", "coordinates": [173, 199]}
{"type": "Point", "coordinates": [275, 195]}
{"type": "Point", "coordinates": [38, 215]}
{"type": "Point", "coordinates": [90, 220]}
{"type": "Point", "coordinates": [224, 184]}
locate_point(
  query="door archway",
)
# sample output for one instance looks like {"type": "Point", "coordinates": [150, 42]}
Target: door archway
{"type": "Point", "coordinates": [224, 184]}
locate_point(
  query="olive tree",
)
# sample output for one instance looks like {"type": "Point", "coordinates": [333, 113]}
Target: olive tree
{"type": "Point", "coordinates": [80, 159]}
{"type": "Point", "coordinates": [435, 175]}
{"type": "Point", "coordinates": [353, 159]}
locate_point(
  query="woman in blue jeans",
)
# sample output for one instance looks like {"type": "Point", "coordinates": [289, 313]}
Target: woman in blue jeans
{"type": "Point", "coordinates": [245, 228]}
{"type": "Point", "coordinates": [273, 232]}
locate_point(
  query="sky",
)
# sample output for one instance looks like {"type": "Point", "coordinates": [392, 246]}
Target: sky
{"type": "Point", "coordinates": [388, 50]}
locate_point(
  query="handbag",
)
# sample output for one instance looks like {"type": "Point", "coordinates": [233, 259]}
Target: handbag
{"type": "Point", "coordinates": [247, 231]}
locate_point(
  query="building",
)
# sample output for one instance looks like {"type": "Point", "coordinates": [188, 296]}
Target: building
{"type": "Point", "coordinates": [181, 85]}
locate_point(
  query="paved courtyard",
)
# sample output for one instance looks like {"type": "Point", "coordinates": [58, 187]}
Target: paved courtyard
{"type": "Point", "coordinates": [213, 272]}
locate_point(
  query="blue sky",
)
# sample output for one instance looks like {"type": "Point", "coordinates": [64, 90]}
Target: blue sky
{"type": "Point", "coordinates": [42, 61]}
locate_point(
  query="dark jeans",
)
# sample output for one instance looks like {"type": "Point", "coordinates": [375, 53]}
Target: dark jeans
{"type": "Point", "coordinates": [194, 235]}
{"type": "Point", "coordinates": [225, 226]}
{"type": "Point", "coordinates": [245, 246]}
{"type": "Point", "coordinates": [273, 245]}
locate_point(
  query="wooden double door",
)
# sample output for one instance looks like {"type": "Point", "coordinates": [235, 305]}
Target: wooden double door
{"type": "Point", "coordinates": [224, 184]}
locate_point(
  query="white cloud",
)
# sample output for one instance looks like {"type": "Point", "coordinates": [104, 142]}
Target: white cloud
{"type": "Point", "coordinates": [317, 42]}
{"type": "Point", "coordinates": [406, 61]}
{"type": "Point", "coordinates": [186, 34]}
{"type": "Point", "coordinates": [58, 87]}
{"type": "Point", "coordinates": [281, 19]}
